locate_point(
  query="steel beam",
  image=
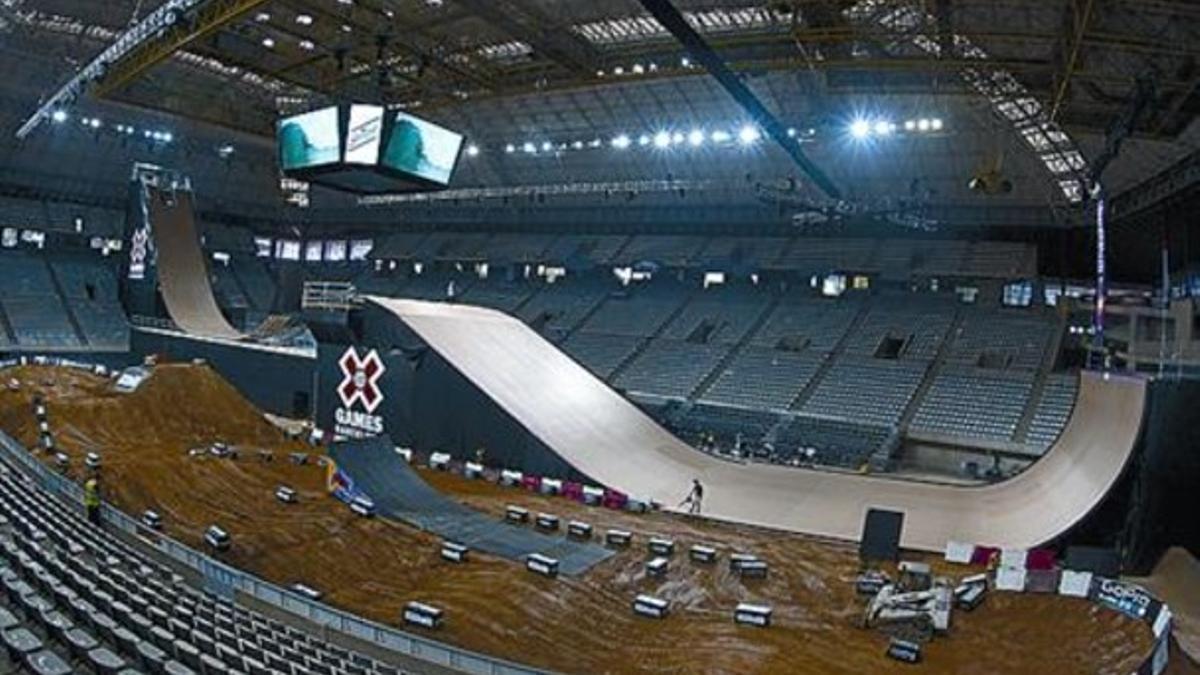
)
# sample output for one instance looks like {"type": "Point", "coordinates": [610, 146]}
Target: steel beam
{"type": "Point", "coordinates": [673, 21]}
{"type": "Point", "coordinates": [201, 21]}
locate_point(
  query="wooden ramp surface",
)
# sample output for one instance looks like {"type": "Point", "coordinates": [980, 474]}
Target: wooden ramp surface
{"type": "Point", "coordinates": [607, 438]}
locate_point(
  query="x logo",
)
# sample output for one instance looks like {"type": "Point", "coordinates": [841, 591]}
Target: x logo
{"type": "Point", "coordinates": [360, 381]}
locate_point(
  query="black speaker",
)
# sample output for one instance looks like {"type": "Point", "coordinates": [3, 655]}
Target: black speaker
{"type": "Point", "coordinates": [881, 535]}
{"type": "Point", "coordinates": [1105, 562]}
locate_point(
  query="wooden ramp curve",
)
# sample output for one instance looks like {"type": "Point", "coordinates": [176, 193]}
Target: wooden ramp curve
{"type": "Point", "coordinates": [607, 438]}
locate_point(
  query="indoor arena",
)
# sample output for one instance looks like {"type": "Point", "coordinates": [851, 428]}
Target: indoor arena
{"type": "Point", "coordinates": [514, 337]}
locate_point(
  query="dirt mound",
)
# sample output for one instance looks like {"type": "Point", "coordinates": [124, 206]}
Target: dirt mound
{"type": "Point", "coordinates": [1176, 581]}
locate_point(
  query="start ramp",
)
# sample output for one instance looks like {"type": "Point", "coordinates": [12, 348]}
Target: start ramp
{"type": "Point", "coordinates": [605, 437]}
{"type": "Point", "coordinates": [399, 493]}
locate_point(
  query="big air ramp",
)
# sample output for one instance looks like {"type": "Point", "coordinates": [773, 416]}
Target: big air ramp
{"type": "Point", "coordinates": [608, 439]}
{"type": "Point", "coordinates": [182, 270]}
{"type": "Point", "coordinates": [399, 493]}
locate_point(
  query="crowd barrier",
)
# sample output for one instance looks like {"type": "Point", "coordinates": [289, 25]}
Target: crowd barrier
{"type": "Point", "coordinates": [224, 580]}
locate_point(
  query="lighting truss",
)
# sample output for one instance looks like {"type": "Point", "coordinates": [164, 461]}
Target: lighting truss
{"type": "Point", "coordinates": [150, 27]}
{"type": "Point", "coordinates": [1008, 97]}
{"type": "Point", "coordinates": [551, 189]}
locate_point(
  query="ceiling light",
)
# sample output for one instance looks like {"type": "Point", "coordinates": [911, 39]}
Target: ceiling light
{"type": "Point", "coordinates": [791, 132]}
{"type": "Point", "coordinates": [268, 42]}
{"type": "Point", "coordinates": [262, 17]}
{"type": "Point", "coordinates": [510, 148]}
{"type": "Point", "coordinates": [910, 125]}
{"type": "Point", "coordinates": [472, 150]}
{"type": "Point", "coordinates": [696, 137]}
{"type": "Point", "coordinates": [860, 129]}
{"type": "Point", "coordinates": [578, 145]}
{"type": "Point", "coordinates": [594, 143]}
{"type": "Point", "coordinates": [677, 137]}
{"type": "Point", "coordinates": [638, 69]}
{"type": "Point", "coordinates": [685, 62]}
{"type": "Point", "coordinates": [94, 123]}
{"type": "Point", "coordinates": [621, 142]}
{"type": "Point", "coordinates": [644, 139]}
{"type": "Point", "coordinates": [883, 128]}
{"type": "Point", "coordinates": [600, 73]}
{"type": "Point", "coordinates": [547, 146]}
{"type": "Point", "coordinates": [59, 116]}
{"type": "Point", "coordinates": [935, 124]}
{"type": "Point", "coordinates": [749, 134]}
{"type": "Point", "coordinates": [346, 28]}
{"type": "Point", "coordinates": [618, 71]}
{"type": "Point", "coordinates": [923, 124]}
{"type": "Point", "coordinates": [304, 19]}
{"type": "Point", "coordinates": [307, 45]}
{"type": "Point", "coordinates": [529, 148]}
{"type": "Point", "coordinates": [720, 136]}
{"type": "Point", "coordinates": [662, 139]}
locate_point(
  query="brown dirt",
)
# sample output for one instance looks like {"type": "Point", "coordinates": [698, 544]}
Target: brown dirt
{"type": "Point", "coordinates": [494, 606]}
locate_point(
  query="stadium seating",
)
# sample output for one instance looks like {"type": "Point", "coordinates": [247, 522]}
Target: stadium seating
{"type": "Point", "coordinates": [769, 379]}
{"type": "Point", "coordinates": [973, 403]}
{"type": "Point", "coordinates": [76, 599]}
{"type": "Point", "coordinates": [801, 322]}
{"type": "Point", "coordinates": [723, 314]}
{"type": "Point", "coordinates": [1001, 339]}
{"type": "Point", "coordinates": [34, 310]}
{"type": "Point", "coordinates": [639, 310]}
{"type": "Point", "coordinates": [671, 368]}
{"type": "Point", "coordinates": [868, 390]}
{"type": "Point", "coordinates": [601, 354]}
{"type": "Point", "coordinates": [1053, 409]}
{"type": "Point", "coordinates": [832, 442]}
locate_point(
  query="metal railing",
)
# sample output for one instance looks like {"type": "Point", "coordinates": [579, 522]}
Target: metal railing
{"type": "Point", "coordinates": [224, 580]}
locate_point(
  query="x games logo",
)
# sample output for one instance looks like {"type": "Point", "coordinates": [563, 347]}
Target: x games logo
{"type": "Point", "coordinates": [360, 379]}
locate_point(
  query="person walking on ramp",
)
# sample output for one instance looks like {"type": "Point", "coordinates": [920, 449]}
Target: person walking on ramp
{"type": "Point", "coordinates": [694, 498]}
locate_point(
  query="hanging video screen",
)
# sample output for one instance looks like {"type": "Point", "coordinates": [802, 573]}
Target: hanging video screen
{"type": "Point", "coordinates": [309, 140]}
{"type": "Point", "coordinates": [364, 134]}
{"type": "Point", "coordinates": [422, 149]}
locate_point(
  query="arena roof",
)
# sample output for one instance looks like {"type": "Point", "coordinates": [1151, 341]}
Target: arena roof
{"type": "Point", "coordinates": [1026, 85]}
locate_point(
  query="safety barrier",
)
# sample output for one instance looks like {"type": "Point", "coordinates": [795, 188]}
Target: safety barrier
{"type": "Point", "coordinates": [222, 579]}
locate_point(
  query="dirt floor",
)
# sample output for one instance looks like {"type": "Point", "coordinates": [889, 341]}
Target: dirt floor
{"type": "Point", "coordinates": [579, 625]}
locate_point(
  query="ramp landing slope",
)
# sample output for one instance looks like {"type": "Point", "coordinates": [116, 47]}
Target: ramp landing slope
{"type": "Point", "coordinates": [607, 438]}
{"type": "Point", "coordinates": [399, 493]}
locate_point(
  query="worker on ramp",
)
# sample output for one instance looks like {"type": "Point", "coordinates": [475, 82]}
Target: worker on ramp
{"type": "Point", "coordinates": [694, 498]}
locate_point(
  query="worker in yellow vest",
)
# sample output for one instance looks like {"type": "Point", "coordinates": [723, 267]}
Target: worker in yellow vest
{"type": "Point", "coordinates": [91, 500]}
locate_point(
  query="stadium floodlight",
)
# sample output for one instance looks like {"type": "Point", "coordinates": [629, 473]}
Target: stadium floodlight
{"type": "Point", "coordinates": [720, 136]}
{"type": "Point", "coordinates": [685, 62]}
{"type": "Point", "coordinates": [677, 137]}
{"type": "Point", "coordinates": [307, 45]}
{"type": "Point", "coordinates": [59, 116]}
{"type": "Point", "coordinates": [510, 148]}
{"type": "Point", "coordinates": [923, 124]}
{"type": "Point", "coordinates": [749, 135]}
{"type": "Point", "coordinates": [168, 137]}
{"type": "Point", "coordinates": [910, 125]}
{"type": "Point", "coordinates": [935, 124]}
{"type": "Point", "coordinates": [860, 129]}
{"type": "Point", "coordinates": [472, 150]}
{"type": "Point", "coordinates": [594, 143]}
{"type": "Point", "coordinates": [662, 139]}
{"type": "Point", "coordinates": [578, 145]}
{"type": "Point", "coordinates": [547, 146]}
{"type": "Point", "coordinates": [696, 137]}
{"type": "Point", "coordinates": [304, 19]}
{"type": "Point", "coordinates": [791, 132]}
{"type": "Point", "coordinates": [619, 70]}
{"type": "Point", "coordinates": [883, 128]}
{"type": "Point", "coordinates": [262, 17]}
{"type": "Point", "coordinates": [269, 43]}
{"type": "Point", "coordinates": [638, 69]}
{"type": "Point", "coordinates": [528, 148]}
{"type": "Point", "coordinates": [621, 142]}
{"type": "Point", "coordinates": [644, 139]}
{"type": "Point", "coordinates": [94, 123]}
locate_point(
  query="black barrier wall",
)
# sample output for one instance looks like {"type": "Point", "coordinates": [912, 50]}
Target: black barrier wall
{"type": "Point", "coordinates": [278, 382]}
{"type": "Point", "coordinates": [418, 398]}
